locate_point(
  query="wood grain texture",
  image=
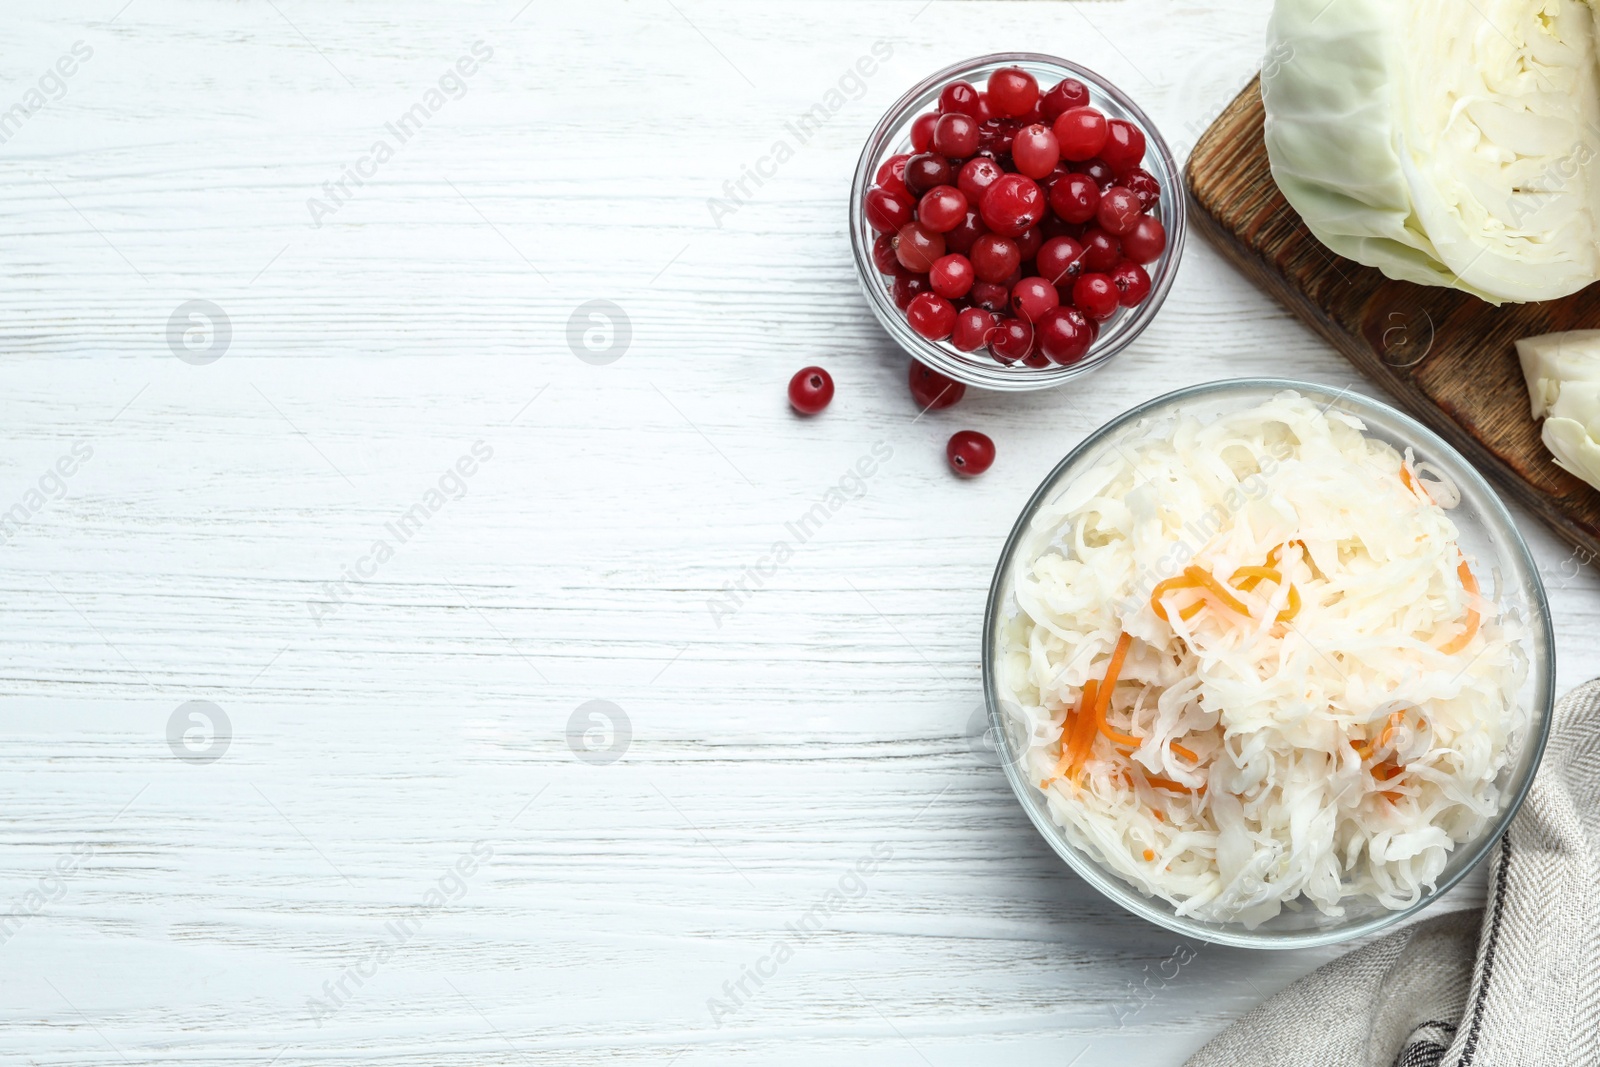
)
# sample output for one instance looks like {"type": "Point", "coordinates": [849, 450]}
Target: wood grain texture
{"type": "Point", "coordinates": [1449, 357]}
{"type": "Point", "coordinates": [829, 716]}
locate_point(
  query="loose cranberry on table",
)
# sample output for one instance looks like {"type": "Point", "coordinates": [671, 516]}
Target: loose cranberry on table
{"type": "Point", "coordinates": [1096, 296]}
{"type": "Point", "coordinates": [932, 316]}
{"type": "Point", "coordinates": [1132, 283]}
{"type": "Point", "coordinates": [951, 276]}
{"type": "Point", "coordinates": [1014, 203]}
{"type": "Point", "coordinates": [1146, 241]}
{"type": "Point", "coordinates": [1080, 132]}
{"type": "Point", "coordinates": [1013, 92]}
{"type": "Point", "coordinates": [933, 391]}
{"type": "Point", "coordinates": [972, 328]}
{"type": "Point", "coordinates": [943, 207]}
{"type": "Point", "coordinates": [917, 247]}
{"type": "Point", "coordinates": [970, 453]}
{"type": "Point", "coordinates": [810, 390]}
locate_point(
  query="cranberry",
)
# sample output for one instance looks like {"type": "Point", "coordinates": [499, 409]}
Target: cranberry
{"type": "Point", "coordinates": [1118, 210]}
{"type": "Point", "coordinates": [972, 329]}
{"type": "Point", "coordinates": [995, 136]}
{"type": "Point", "coordinates": [951, 277]}
{"type": "Point", "coordinates": [1095, 296]}
{"type": "Point", "coordinates": [942, 208]}
{"type": "Point", "coordinates": [926, 170]}
{"type": "Point", "coordinates": [1145, 186]}
{"type": "Point", "coordinates": [994, 257]}
{"type": "Point", "coordinates": [1124, 147]}
{"type": "Point", "coordinates": [1074, 197]}
{"type": "Point", "coordinates": [907, 287]}
{"type": "Point", "coordinates": [1132, 283]}
{"type": "Point", "coordinates": [990, 296]}
{"type": "Point", "coordinates": [883, 256]}
{"type": "Point", "coordinates": [933, 316]}
{"type": "Point", "coordinates": [892, 175]}
{"type": "Point", "coordinates": [1028, 242]}
{"type": "Point", "coordinates": [1068, 93]}
{"type": "Point", "coordinates": [1146, 241]}
{"type": "Point", "coordinates": [985, 112]}
{"type": "Point", "coordinates": [922, 131]}
{"type": "Point", "coordinates": [1065, 335]}
{"type": "Point", "coordinates": [1081, 132]}
{"type": "Point", "coordinates": [977, 175]}
{"type": "Point", "coordinates": [1012, 204]}
{"type": "Point", "coordinates": [1099, 171]}
{"type": "Point", "coordinates": [1035, 151]}
{"type": "Point", "coordinates": [1010, 341]}
{"type": "Point", "coordinates": [959, 98]}
{"type": "Point", "coordinates": [956, 136]}
{"type": "Point", "coordinates": [810, 390]}
{"type": "Point", "coordinates": [968, 230]}
{"type": "Point", "coordinates": [1012, 92]}
{"type": "Point", "coordinates": [1101, 250]}
{"type": "Point", "coordinates": [1032, 297]}
{"type": "Point", "coordinates": [970, 453]}
{"type": "Point", "coordinates": [1036, 358]}
{"type": "Point", "coordinates": [917, 247]}
{"type": "Point", "coordinates": [933, 391]}
{"type": "Point", "coordinates": [1055, 226]}
{"type": "Point", "coordinates": [1060, 260]}
{"type": "Point", "coordinates": [887, 212]}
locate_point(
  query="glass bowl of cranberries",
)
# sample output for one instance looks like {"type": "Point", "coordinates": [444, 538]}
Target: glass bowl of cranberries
{"type": "Point", "coordinates": [1016, 221]}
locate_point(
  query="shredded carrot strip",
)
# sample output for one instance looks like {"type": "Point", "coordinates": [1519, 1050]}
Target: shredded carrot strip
{"type": "Point", "coordinates": [1157, 815]}
{"type": "Point", "coordinates": [1114, 670]}
{"type": "Point", "coordinates": [1168, 783]}
{"type": "Point", "coordinates": [1209, 581]}
{"type": "Point", "coordinates": [1258, 573]}
{"type": "Point", "coordinates": [1186, 753]}
{"type": "Point", "coordinates": [1293, 607]}
{"type": "Point", "coordinates": [1149, 854]}
{"type": "Point", "coordinates": [1395, 720]}
{"type": "Point", "coordinates": [1470, 584]}
{"type": "Point", "coordinates": [1363, 749]}
{"type": "Point", "coordinates": [1413, 483]}
{"type": "Point", "coordinates": [1391, 796]}
{"type": "Point", "coordinates": [1075, 739]}
{"type": "Point", "coordinates": [1119, 737]}
{"type": "Point", "coordinates": [1192, 610]}
{"type": "Point", "coordinates": [1387, 770]}
{"type": "Point", "coordinates": [1182, 581]}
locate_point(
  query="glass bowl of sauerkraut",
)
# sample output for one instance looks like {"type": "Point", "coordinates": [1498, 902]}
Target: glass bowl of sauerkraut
{"type": "Point", "coordinates": [1268, 663]}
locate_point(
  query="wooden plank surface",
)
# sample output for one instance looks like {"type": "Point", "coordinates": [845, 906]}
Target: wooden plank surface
{"type": "Point", "coordinates": [1447, 356]}
{"type": "Point", "coordinates": [205, 905]}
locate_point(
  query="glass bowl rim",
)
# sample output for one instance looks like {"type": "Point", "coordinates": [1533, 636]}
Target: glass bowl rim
{"type": "Point", "coordinates": [1497, 517]}
{"type": "Point", "coordinates": [1174, 217]}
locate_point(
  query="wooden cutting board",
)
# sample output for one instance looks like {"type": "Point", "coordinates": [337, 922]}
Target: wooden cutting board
{"type": "Point", "coordinates": [1447, 357]}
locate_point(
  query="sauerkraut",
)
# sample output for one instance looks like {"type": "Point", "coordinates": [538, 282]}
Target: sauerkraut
{"type": "Point", "coordinates": [1309, 697]}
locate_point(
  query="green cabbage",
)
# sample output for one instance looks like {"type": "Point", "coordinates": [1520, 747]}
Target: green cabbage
{"type": "Point", "coordinates": [1445, 143]}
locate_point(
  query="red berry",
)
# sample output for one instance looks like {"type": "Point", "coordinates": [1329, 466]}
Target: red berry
{"type": "Point", "coordinates": [1068, 93]}
{"type": "Point", "coordinates": [1132, 283]}
{"type": "Point", "coordinates": [1099, 171]}
{"type": "Point", "coordinates": [887, 212]}
{"type": "Point", "coordinates": [933, 316]}
{"type": "Point", "coordinates": [1028, 242]}
{"type": "Point", "coordinates": [1065, 335]}
{"type": "Point", "coordinates": [1012, 92]}
{"type": "Point", "coordinates": [994, 257]}
{"type": "Point", "coordinates": [1124, 147]}
{"type": "Point", "coordinates": [951, 277]}
{"type": "Point", "coordinates": [1074, 197]}
{"type": "Point", "coordinates": [1146, 241]}
{"type": "Point", "coordinates": [1032, 297]}
{"type": "Point", "coordinates": [970, 453]}
{"type": "Point", "coordinates": [972, 329]}
{"type": "Point", "coordinates": [892, 175]}
{"type": "Point", "coordinates": [1010, 341]}
{"type": "Point", "coordinates": [1118, 210]}
{"type": "Point", "coordinates": [959, 98]}
{"type": "Point", "coordinates": [977, 175]}
{"type": "Point", "coordinates": [883, 256]}
{"type": "Point", "coordinates": [1081, 132]}
{"type": "Point", "coordinates": [991, 296]}
{"type": "Point", "coordinates": [933, 391]}
{"type": "Point", "coordinates": [1012, 204]}
{"type": "Point", "coordinates": [943, 207]}
{"type": "Point", "coordinates": [1035, 151]}
{"type": "Point", "coordinates": [956, 136]}
{"type": "Point", "coordinates": [1145, 186]}
{"type": "Point", "coordinates": [810, 390]}
{"type": "Point", "coordinates": [1060, 261]}
{"type": "Point", "coordinates": [1102, 251]}
{"type": "Point", "coordinates": [922, 131]}
{"type": "Point", "coordinates": [907, 287]}
{"type": "Point", "coordinates": [925, 170]}
{"type": "Point", "coordinates": [1053, 226]}
{"type": "Point", "coordinates": [1095, 296]}
{"type": "Point", "coordinates": [968, 230]}
{"type": "Point", "coordinates": [985, 112]}
{"type": "Point", "coordinates": [917, 247]}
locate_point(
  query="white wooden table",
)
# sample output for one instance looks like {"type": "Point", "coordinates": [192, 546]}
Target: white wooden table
{"type": "Point", "coordinates": [398, 858]}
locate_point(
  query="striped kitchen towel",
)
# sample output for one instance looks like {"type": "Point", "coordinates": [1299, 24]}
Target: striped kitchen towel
{"type": "Point", "coordinates": [1515, 985]}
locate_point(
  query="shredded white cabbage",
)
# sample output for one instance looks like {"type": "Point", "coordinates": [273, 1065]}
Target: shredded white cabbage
{"type": "Point", "coordinates": [1340, 753]}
